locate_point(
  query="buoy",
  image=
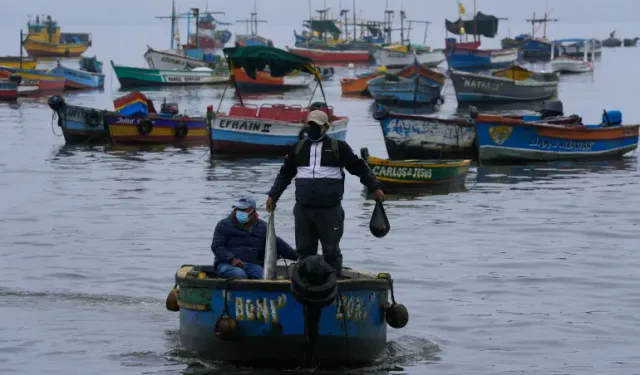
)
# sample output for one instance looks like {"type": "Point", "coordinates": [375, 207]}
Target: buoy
{"type": "Point", "coordinates": [226, 328]}
{"type": "Point", "coordinates": [172, 300]}
{"type": "Point", "coordinates": [382, 69]}
{"type": "Point", "coordinates": [397, 315]}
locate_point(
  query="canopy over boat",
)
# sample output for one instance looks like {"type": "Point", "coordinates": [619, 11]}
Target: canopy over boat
{"type": "Point", "coordinates": [324, 27]}
{"type": "Point", "coordinates": [280, 62]}
{"type": "Point", "coordinates": [485, 25]}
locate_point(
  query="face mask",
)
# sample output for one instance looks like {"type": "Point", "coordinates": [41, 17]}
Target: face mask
{"type": "Point", "coordinates": [242, 217]}
{"type": "Point", "coordinates": [314, 132]}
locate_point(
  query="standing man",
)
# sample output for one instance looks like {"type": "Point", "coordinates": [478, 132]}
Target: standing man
{"type": "Point", "coordinates": [317, 162]}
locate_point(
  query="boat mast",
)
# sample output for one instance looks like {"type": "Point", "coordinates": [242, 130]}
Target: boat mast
{"type": "Point", "coordinates": [475, 29]}
{"type": "Point", "coordinates": [354, 20]}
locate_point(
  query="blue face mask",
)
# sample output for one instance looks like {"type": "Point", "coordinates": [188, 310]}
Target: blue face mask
{"type": "Point", "coordinates": [242, 217]}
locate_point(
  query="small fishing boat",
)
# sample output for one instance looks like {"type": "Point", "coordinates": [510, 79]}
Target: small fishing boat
{"type": "Point", "coordinates": [392, 59]}
{"type": "Point", "coordinates": [358, 85]}
{"type": "Point", "coordinates": [568, 64]}
{"type": "Point", "coordinates": [469, 59]}
{"type": "Point", "coordinates": [78, 79]}
{"type": "Point", "coordinates": [264, 82]}
{"type": "Point", "coordinates": [14, 62]}
{"type": "Point", "coordinates": [332, 56]}
{"type": "Point", "coordinates": [631, 42]}
{"type": "Point", "coordinates": [79, 124]}
{"type": "Point", "coordinates": [511, 84]}
{"type": "Point", "coordinates": [34, 81]}
{"type": "Point", "coordinates": [46, 40]}
{"type": "Point", "coordinates": [502, 139]}
{"type": "Point", "coordinates": [401, 175]}
{"type": "Point", "coordinates": [165, 127]}
{"type": "Point", "coordinates": [172, 60]}
{"type": "Point", "coordinates": [140, 77]}
{"type": "Point", "coordinates": [612, 41]}
{"type": "Point", "coordinates": [423, 88]}
{"type": "Point", "coordinates": [270, 128]}
{"type": "Point", "coordinates": [410, 136]}
{"type": "Point", "coordinates": [575, 47]}
{"type": "Point", "coordinates": [8, 89]}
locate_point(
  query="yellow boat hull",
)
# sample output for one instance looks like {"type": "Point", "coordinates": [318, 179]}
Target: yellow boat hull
{"type": "Point", "coordinates": [43, 49]}
{"type": "Point", "coordinates": [12, 62]}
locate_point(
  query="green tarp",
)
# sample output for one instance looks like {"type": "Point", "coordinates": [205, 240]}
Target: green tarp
{"type": "Point", "coordinates": [256, 58]}
{"type": "Point", "coordinates": [486, 25]}
{"type": "Point", "coordinates": [324, 26]}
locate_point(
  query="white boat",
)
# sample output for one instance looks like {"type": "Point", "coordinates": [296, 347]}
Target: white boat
{"type": "Point", "coordinates": [389, 58]}
{"type": "Point", "coordinates": [568, 64]}
{"type": "Point", "coordinates": [172, 60]}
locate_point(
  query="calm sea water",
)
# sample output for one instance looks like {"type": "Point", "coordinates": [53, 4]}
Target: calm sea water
{"type": "Point", "coordinates": [531, 270]}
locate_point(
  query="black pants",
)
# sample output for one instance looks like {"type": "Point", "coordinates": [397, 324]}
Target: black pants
{"type": "Point", "coordinates": [320, 223]}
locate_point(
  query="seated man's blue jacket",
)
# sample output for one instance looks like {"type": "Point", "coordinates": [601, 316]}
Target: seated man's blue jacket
{"type": "Point", "coordinates": [248, 245]}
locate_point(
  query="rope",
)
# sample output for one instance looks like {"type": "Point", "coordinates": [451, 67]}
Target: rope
{"type": "Point", "coordinates": [53, 118]}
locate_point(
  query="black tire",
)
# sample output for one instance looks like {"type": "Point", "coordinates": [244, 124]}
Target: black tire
{"type": "Point", "coordinates": [145, 126]}
{"type": "Point", "coordinates": [182, 130]}
{"type": "Point", "coordinates": [92, 119]}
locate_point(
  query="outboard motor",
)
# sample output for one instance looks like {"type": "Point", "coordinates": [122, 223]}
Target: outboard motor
{"type": "Point", "coordinates": [169, 108]}
{"type": "Point", "coordinates": [17, 78]}
{"type": "Point", "coordinates": [552, 108]}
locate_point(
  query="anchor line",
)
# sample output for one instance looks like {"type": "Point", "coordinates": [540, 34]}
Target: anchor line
{"type": "Point", "coordinates": [53, 117]}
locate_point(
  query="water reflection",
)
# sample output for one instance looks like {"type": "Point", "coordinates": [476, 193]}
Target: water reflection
{"type": "Point", "coordinates": [552, 170]}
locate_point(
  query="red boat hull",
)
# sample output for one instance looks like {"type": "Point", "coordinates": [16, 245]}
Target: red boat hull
{"type": "Point", "coordinates": [205, 41]}
{"type": "Point", "coordinates": [322, 56]}
{"type": "Point", "coordinates": [8, 94]}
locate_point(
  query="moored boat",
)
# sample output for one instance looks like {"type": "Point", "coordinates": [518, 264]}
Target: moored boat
{"type": "Point", "coordinates": [78, 79]}
{"type": "Point", "coordinates": [333, 56]}
{"type": "Point", "coordinates": [166, 127]}
{"type": "Point", "coordinates": [410, 136]}
{"type": "Point", "coordinates": [8, 89]}
{"type": "Point", "coordinates": [511, 84]}
{"type": "Point", "coordinates": [15, 62]}
{"type": "Point", "coordinates": [46, 40]}
{"type": "Point", "coordinates": [270, 128]}
{"type": "Point", "coordinates": [139, 77]}
{"type": "Point", "coordinates": [423, 88]}
{"type": "Point", "coordinates": [568, 64]}
{"type": "Point", "coordinates": [468, 59]}
{"type": "Point", "coordinates": [575, 47]}
{"type": "Point", "coordinates": [631, 42]}
{"type": "Point", "coordinates": [79, 124]}
{"type": "Point", "coordinates": [170, 60]}
{"type": "Point", "coordinates": [502, 139]}
{"type": "Point", "coordinates": [34, 81]}
{"type": "Point", "coordinates": [265, 82]}
{"type": "Point", "coordinates": [401, 175]}
{"type": "Point", "coordinates": [358, 85]}
{"type": "Point", "coordinates": [392, 59]}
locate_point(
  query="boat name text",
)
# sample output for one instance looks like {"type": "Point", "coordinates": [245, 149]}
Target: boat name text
{"type": "Point", "coordinates": [417, 173]}
{"type": "Point", "coordinates": [245, 125]}
{"type": "Point", "coordinates": [354, 308]}
{"type": "Point", "coordinates": [565, 145]}
{"type": "Point", "coordinates": [481, 85]}
{"type": "Point", "coordinates": [260, 309]}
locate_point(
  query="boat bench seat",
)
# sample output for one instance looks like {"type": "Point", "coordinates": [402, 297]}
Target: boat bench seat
{"type": "Point", "coordinates": [249, 110]}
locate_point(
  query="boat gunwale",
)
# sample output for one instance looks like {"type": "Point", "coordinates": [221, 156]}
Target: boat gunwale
{"type": "Point", "coordinates": [368, 281]}
{"type": "Point", "coordinates": [520, 82]}
{"type": "Point", "coordinates": [419, 163]}
{"type": "Point", "coordinates": [449, 121]}
{"type": "Point", "coordinates": [501, 120]}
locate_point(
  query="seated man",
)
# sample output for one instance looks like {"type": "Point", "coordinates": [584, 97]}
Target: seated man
{"type": "Point", "coordinates": [239, 243]}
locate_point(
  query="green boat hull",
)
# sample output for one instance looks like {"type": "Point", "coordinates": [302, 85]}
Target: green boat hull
{"type": "Point", "coordinates": [141, 77]}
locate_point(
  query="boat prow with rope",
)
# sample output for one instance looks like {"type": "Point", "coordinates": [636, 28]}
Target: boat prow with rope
{"type": "Point", "coordinates": [302, 317]}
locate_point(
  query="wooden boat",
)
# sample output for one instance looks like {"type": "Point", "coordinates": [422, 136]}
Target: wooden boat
{"type": "Point", "coordinates": [575, 47]}
{"type": "Point", "coordinates": [408, 174]}
{"type": "Point", "coordinates": [423, 88]}
{"type": "Point", "coordinates": [270, 128]}
{"type": "Point", "coordinates": [14, 62]}
{"type": "Point", "coordinates": [264, 82]}
{"type": "Point", "coordinates": [261, 322]}
{"type": "Point", "coordinates": [392, 59]}
{"type": "Point", "coordinates": [170, 60]}
{"type": "Point", "coordinates": [8, 89]}
{"type": "Point", "coordinates": [79, 124]}
{"type": "Point", "coordinates": [468, 59]}
{"type": "Point", "coordinates": [358, 85]}
{"type": "Point", "coordinates": [78, 79]}
{"type": "Point", "coordinates": [332, 56]}
{"type": "Point", "coordinates": [46, 40]}
{"type": "Point", "coordinates": [568, 64]}
{"type": "Point", "coordinates": [511, 84]}
{"type": "Point", "coordinates": [139, 77]}
{"type": "Point", "coordinates": [502, 139]}
{"type": "Point", "coordinates": [34, 81]}
{"type": "Point", "coordinates": [409, 136]}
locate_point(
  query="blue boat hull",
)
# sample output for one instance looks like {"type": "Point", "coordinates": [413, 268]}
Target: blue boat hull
{"type": "Point", "coordinates": [83, 124]}
{"type": "Point", "coordinates": [498, 142]}
{"type": "Point", "coordinates": [404, 92]}
{"type": "Point", "coordinates": [78, 79]}
{"type": "Point", "coordinates": [465, 59]}
{"type": "Point", "coordinates": [271, 322]}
